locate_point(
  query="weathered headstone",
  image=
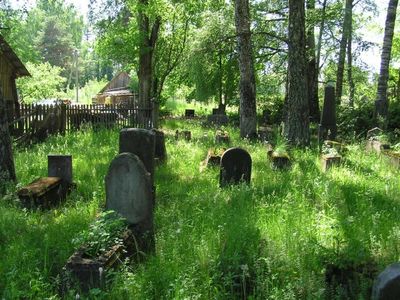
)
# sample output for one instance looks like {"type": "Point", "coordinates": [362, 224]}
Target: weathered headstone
{"type": "Point", "coordinates": [235, 167]}
{"type": "Point", "coordinates": [129, 193]}
{"type": "Point", "coordinates": [141, 142]}
{"type": "Point", "coordinates": [60, 166]}
{"type": "Point", "coordinates": [189, 113]}
{"type": "Point", "coordinates": [387, 284]}
{"type": "Point", "coordinates": [327, 126]}
{"type": "Point", "coordinates": [160, 150]}
{"type": "Point", "coordinates": [374, 132]}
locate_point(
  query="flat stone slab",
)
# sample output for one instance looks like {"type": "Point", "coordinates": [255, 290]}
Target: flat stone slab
{"type": "Point", "coordinates": [44, 192]}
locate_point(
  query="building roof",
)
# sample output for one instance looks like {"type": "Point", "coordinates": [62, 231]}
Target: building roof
{"type": "Point", "coordinates": [120, 81]}
{"type": "Point", "coordinates": [20, 69]}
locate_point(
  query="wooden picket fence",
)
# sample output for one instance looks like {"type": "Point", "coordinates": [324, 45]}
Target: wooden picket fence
{"type": "Point", "coordinates": [42, 120]}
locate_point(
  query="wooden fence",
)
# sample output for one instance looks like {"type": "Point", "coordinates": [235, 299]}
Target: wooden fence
{"type": "Point", "coordinates": [38, 121]}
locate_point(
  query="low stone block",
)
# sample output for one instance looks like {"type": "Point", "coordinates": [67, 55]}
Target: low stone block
{"type": "Point", "coordinates": [328, 161]}
{"type": "Point", "coordinates": [189, 113]}
{"type": "Point", "coordinates": [222, 137]}
{"type": "Point", "coordinates": [44, 193]}
{"type": "Point", "coordinates": [280, 160]}
{"type": "Point", "coordinates": [376, 146]}
{"type": "Point", "coordinates": [185, 134]}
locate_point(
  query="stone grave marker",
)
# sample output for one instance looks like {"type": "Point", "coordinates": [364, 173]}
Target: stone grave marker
{"type": "Point", "coordinates": [129, 192]}
{"type": "Point", "coordinates": [185, 134]}
{"type": "Point", "coordinates": [189, 113]}
{"type": "Point", "coordinates": [222, 137]}
{"type": "Point", "coordinates": [374, 132]}
{"type": "Point", "coordinates": [60, 166]}
{"type": "Point", "coordinates": [160, 150]}
{"type": "Point", "coordinates": [235, 167]}
{"type": "Point", "coordinates": [141, 142]}
{"type": "Point", "coordinates": [218, 119]}
{"type": "Point", "coordinates": [327, 126]}
{"type": "Point", "coordinates": [387, 284]}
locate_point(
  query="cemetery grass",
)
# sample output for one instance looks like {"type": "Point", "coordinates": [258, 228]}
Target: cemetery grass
{"type": "Point", "coordinates": [274, 239]}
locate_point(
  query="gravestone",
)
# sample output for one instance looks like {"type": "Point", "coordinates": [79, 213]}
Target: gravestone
{"type": "Point", "coordinates": [189, 113]}
{"type": "Point", "coordinates": [141, 142]}
{"type": "Point", "coordinates": [235, 167]}
{"type": "Point", "coordinates": [327, 126]}
{"type": "Point", "coordinates": [387, 284]}
{"type": "Point", "coordinates": [185, 134]}
{"type": "Point", "coordinates": [222, 137]}
{"type": "Point", "coordinates": [160, 150]}
{"type": "Point", "coordinates": [129, 193]}
{"type": "Point", "coordinates": [374, 132]}
{"type": "Point", "coordinates": [218, 119]}
{"type": "Point", "coordinates": [60, 166]}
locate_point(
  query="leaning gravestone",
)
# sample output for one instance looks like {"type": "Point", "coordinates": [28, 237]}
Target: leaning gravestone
{"type": "Point", "coordinates": [387, 284]}
{"type": "Point", "coordinates": [129, 193]}
{"type": "Point", "coordinates": [235, 167]}
{"type": "Point", "coordinates": [327, 126]}
{"type": "Point", "coordinates": [141, 142]}
{"type": "Point", "coordinates": [160, 150]}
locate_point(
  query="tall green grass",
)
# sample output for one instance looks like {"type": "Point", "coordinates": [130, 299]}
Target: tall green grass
{"type": "Point", "coordinates": [273, 239]}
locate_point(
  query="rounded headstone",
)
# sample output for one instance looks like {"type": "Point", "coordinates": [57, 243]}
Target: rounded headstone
{"type": "Point", "coordinates": [235, 167]}
{"type": "Point", "coordinates": [141, 142]}
{"type": "Point", "coordinates": [387, 284]}
{"type": "Point", "coordinates": [129, 189]}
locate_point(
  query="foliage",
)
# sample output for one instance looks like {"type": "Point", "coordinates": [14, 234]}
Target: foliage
{"type": "Point", "coordinates": [103, 233]}
{"type": "Point", "coordinates": [46, 82]}
{"type": "Point", "coordinates": [87, 92]}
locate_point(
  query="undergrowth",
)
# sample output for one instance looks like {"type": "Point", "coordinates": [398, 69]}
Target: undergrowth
{"type": "Point", "coordinates": [274, 239]}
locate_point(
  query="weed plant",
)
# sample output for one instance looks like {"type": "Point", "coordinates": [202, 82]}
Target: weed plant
{"type": "Point", "coordinates": [274, 239]}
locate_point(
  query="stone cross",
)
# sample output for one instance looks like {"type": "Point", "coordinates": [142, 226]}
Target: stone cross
{"type": "Point", "coordinates": [235, 167]}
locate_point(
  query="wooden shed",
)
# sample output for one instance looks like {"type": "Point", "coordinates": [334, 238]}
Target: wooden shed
{"type": "Point", "coordinates": [117, 91]}
{"type": "Point", "coordinates": [11, 68]}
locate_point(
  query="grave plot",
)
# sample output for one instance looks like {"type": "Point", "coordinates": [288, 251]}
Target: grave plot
{"type": "Point", "coordinates": [278, 157]}
{"type": "Point", "coordinates": [50, 191]}
{"type": "Point", "coordinates": [331, 154]}
{"type": "Point", "coordinates": [112, 239]}
{"type": "Point", "coordinates": [184, 134]}
{"type": "Point", "coordinates": [213, 158]}
{"type": "Point", "coordinates": [377, 141]}
{"type": "Point", "coordinates": [235, 167]}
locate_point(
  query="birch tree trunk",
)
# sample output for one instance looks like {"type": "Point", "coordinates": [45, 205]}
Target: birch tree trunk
{"type": "Point", "coordinates": [248, 114]}
{"type": "Point", "coordinates": [382, 102]}
{"type": "Point", "coordinates": [342, 49]}
{"type": "Point", "coordinates": [7, 170]}
{"type": "Point", "coordinates": [297, 120]}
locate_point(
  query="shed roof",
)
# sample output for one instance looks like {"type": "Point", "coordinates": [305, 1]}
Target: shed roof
{"type": "Point", "coordinates": [121, 80]}
{"type": "Point", "coordinates": [20, 69]}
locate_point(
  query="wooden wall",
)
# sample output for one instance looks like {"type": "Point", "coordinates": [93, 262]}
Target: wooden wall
{"type": "Point", "coordinates": [6, 75]}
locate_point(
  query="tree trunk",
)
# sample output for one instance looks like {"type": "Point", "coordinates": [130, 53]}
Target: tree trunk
{"type": "Point", "coordinates": [7, 170]}
{"type": "Point", "coordinates": [248, 114]}
{"type": "Point", "coordinates": [146, 50]}
{"type": "Point", "coordinates": [350, 81]}
{"type": "Point", "coordinates": [382, 102]}
{"type": "Point", "coordinates": [342, 49]}
{"type": "Point", "coordinates": [297, 120]}
{"type": "Point", "coordinates": [321, 32]}
{"type": "Point", "coordinates": [312, 74]}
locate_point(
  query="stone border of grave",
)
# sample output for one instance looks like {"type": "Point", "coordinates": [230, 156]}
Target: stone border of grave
{"type": "Point", "coordinates": [213, 158]}
{"type": "Point", "coordinates": [90, 272]}
{"type": "Point", "coordinates": [329, 161]}
{"type": "Point", "coordinates": [331, 154]}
